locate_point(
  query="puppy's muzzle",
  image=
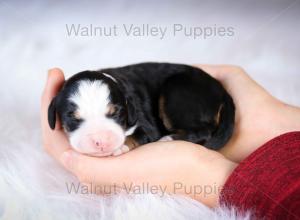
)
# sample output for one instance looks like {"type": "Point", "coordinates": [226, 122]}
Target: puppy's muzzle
{"type": "Point", "coordinates": [101, 142]}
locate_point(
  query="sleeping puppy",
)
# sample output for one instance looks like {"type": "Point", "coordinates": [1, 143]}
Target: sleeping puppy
{"type": "Point", "coordinates": [110, 111]}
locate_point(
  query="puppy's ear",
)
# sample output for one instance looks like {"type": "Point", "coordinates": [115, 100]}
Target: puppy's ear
{"type": "Point", "coordinates": [52, 113]}
{"type": "Point", "coordinates": [131, 113]}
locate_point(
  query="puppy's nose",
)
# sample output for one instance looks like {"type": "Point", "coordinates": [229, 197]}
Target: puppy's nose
{"type": "Point", "coordinates": [102, 141]}
{"type": "Point", "coordinates": [97, 144]}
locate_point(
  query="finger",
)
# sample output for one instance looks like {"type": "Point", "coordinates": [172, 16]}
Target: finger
{"type": "Point", "coordinates": [221, 72]}
{"type": "Point", "coordinates": [55, 141]}
{"type": "Point", "coordinates": [233, 78]}
{"type": "Point", "coordinates": [54, 83]}
{"type": "Point", "coordinates": [210, 69]}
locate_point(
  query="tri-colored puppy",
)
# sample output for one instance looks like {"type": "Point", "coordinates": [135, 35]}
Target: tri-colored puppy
{"type": "Point", "coordinates": [146, 102]}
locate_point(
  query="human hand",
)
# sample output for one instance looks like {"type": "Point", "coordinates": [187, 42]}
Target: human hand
{"type": "Point", "coordinates": [259, 116]}
{"type": "Point", "coordinates": [177, 167]}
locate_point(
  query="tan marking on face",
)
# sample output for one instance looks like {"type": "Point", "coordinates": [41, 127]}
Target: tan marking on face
{"type": "Point", "coordinates": [162, 114]}
{"type": "Point", "coordinates": [218, 115]}
{"type": "Point", "coordinates": [111, 109]}
{"type": "Point", "coordinates": [76, 115]}
{"type": "Point", "coordinates": [131, 142]}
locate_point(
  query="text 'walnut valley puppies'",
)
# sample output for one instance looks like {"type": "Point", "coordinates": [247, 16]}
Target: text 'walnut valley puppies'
{"type": "Point", "coordinates": [110, 111]}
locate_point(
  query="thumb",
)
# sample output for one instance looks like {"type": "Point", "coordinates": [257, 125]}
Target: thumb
{"type": "Point", "coordinates": [54, 83]}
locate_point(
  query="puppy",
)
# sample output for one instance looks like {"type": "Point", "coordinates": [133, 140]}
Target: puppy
{"type": "Point", "coordinates": [109, 111]}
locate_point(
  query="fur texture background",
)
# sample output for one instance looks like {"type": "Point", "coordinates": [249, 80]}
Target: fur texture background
{"type": "Point", "coordinates": [33, 39]}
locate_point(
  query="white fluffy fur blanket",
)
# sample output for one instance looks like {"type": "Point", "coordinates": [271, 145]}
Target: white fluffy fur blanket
{"type": "Point", "coordinates": [33, 38]}
{"type": "Point", "coordinates": [33, 186]}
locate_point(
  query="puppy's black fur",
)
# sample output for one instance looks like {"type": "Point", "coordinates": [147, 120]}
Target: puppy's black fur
{"type": "Point", "coordinates": [161, 99]}
{"type": "Point", "coordinates": [197, 109]}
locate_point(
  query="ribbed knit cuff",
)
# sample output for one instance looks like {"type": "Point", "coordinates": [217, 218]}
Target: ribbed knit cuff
{"type": "Point", "coordinates": [267, 182]}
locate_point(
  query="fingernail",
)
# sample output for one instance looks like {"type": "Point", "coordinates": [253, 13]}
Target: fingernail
{"type": "Point", "coordinates": [68, 159]}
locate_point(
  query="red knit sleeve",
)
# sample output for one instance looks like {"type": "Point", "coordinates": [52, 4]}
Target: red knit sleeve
{"type": "Point", "coordinates": [267, 183]}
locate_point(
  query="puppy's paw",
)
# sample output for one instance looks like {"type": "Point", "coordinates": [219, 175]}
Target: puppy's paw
{"type": "Point", "coordinates": [122, 150]}
{"type": "Point", "coordinates": [166, 138]}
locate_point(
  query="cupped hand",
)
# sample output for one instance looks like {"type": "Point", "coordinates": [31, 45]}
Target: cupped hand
{"type": "Point", "coordinates": [177, 167]}
{"type": "Point", "coordinates": [259, 116]}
